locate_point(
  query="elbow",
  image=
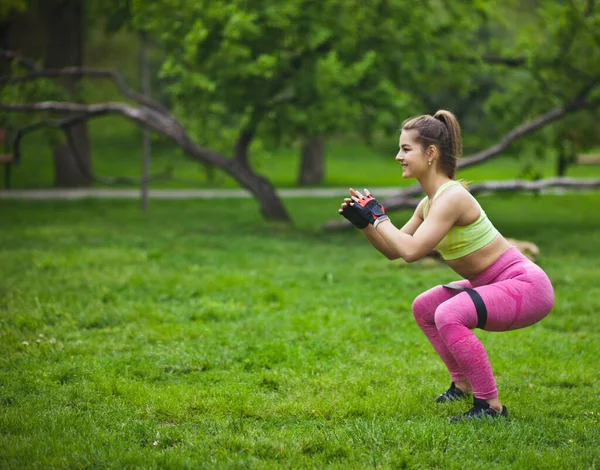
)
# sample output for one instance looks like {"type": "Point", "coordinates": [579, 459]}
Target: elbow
{"type": "Point", "coordinates": [411, 256]}
{"type": "Point", "coordinates": [394, 255]}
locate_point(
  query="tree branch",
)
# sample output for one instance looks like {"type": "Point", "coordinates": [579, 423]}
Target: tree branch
{"type": "Point", "coordinates": [150, 115]}
{"type": "Point", "coordinates": [79, 72]}
{"type": "Point", "coordinates": [554, 114]}
{"type": "Point", "coordinates": [508, 61]}
{"type": "Point", "coordinates": [111, 181]}
{"type": "Point", "coordinates": [21, 59]}
{"type": "Point", "coordinates": [65, 125]}
{"type": "Point", "coordinates": [401, 202]}
{"type": "Point", "coordinates": [246, 136]}
{"type": "Point", "coordinates": [404, 198]}
{"type": "Point", "coordinates": [581, 19]}
{"type": "Point", "coordinates": [151, 119]}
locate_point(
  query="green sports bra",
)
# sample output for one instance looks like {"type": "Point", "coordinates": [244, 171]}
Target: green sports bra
{"type": "Point", "coordinates": [463, 240]}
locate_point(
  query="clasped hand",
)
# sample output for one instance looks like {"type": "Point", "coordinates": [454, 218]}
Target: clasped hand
{"type": "Point", "coordinates": [362, 210]}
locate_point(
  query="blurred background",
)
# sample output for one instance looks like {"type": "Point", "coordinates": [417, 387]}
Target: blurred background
{"type": "Point", "coordinates": [294, 92]}
{"type": "Point", "coordinates": [199, 335]}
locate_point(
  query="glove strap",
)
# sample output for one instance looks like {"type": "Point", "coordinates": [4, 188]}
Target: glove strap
{"type": "Point", "coordinates": [379, 220]}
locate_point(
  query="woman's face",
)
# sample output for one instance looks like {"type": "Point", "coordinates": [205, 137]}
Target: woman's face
{"type": "Point", "coordinates": [411, 156]}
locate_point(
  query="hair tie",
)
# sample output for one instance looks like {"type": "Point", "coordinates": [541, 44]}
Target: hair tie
{"type": "Point", "coordinates": [439, 117]}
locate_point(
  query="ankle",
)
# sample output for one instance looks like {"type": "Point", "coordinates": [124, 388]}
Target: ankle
{"type": "Point", "coordinates": [464, 386]}
{"type": "Point", "coordinates": [495, 404]}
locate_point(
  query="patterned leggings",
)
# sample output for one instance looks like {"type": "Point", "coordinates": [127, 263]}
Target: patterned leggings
{"type": "Point", "coordinates": [516, 293]}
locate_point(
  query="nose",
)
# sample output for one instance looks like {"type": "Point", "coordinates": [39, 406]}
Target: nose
{"type": "Point", "coordinates": [399, 157]}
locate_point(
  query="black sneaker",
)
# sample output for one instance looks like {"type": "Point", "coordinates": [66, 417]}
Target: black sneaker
{"type": "Point", "coordinates": [452, 394]}
{"type": "Point", "coordinates": [481, 410]}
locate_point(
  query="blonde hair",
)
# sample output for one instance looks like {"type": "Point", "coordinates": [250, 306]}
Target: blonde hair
{"type": "Point", "coordinates": [441, 130]}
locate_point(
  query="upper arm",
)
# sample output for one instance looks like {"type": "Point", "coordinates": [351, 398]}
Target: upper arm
{"type": "Point", "coordinates": [442, 216]}
{"type": "Point", "coordinates": [415, 221]}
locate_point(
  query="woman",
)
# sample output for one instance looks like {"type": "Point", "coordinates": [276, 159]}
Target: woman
{"type": "Point", "coordinates": [502, 289]}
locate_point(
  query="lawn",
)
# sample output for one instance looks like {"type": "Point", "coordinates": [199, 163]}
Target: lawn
{"type": "Point", "coordinates": [199, 336]}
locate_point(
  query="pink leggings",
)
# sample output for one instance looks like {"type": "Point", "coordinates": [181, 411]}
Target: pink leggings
{"type": "Point", "coordinates": [516, 293]}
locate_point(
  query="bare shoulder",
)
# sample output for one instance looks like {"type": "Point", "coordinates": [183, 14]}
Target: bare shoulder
{"type": "Point", "coordinates": [455, 199]}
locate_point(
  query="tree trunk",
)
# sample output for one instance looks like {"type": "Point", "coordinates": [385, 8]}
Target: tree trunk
{"type": "Point", "coordinates": [561, 162]}
{"type": "Point", "coordinates": [63, 21]}
{"type": "Point", "coordinates": [146, 142]}
{"type": "Point", "coordinates": [271, 206]}
{"type": "Point", "coordinates": [5, 44]}
{"type": "Point", "coordinates": [312, 167]}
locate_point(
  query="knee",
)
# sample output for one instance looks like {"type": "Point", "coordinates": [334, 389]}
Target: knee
{"type": "Point", "coordinates": [423, 310]}
{"type": "Point", "coordinates": [448, 314]}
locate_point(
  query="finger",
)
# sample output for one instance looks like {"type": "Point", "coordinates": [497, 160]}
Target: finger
{"type": "Point", "coordinates": [347, 200]}
{"type": "Point", "coordinates": [367, 193]}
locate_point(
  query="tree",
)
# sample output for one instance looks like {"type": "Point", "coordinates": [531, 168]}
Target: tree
{"type": "Point", "coordinates": [64, 23]}
{"type": "Point", "coordinates": [312, 161]}
{"type": "Point", "coordinates": [240, 70]}
{"type": "Point", "coordinates": [547, 69]}
{"type": "Point", "coordinates": [297, 68]}
{"type": "Point", "coordinates": [51, 30]}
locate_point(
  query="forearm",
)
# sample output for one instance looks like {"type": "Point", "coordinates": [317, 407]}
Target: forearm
{"type": "Point", "coordinates": [379, 243]}
{"type": "Point", "coordinates": [401, 244]}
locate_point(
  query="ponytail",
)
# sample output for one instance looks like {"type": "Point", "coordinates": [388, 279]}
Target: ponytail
{"type": "Point", "coordinates": [454, 134]}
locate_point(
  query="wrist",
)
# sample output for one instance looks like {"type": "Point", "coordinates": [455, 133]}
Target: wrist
{"type": "Point", "coordinates": [380, 220]}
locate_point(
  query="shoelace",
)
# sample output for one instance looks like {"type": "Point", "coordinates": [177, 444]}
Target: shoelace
{"type": "Point", "coordinates": [451, 394]}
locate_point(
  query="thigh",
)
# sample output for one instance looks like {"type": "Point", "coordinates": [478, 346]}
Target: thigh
{"type": "Point", "coordinates": [426, 303]}
{"type": "Point", "coordinates": [516, 303]}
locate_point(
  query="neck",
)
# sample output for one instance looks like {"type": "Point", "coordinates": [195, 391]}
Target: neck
{"type": "Point", "coordinates": [432, 182]}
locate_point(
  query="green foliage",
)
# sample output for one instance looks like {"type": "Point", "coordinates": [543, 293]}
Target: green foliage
{"type": "Point", "coordinates": [561, 45]}
{"type": "Point", "coordinates": [302, 67]}
{"type": "Point", "coordinates": [350, 162]}
{"type": "Point", "coordinates": [10, 6]}
{"type": "Point", "coordinates": [115, 15]}
{"type": "Point", "coordinates": [169, 342]}
{"type": "Point", "coordinates": [30, 92]}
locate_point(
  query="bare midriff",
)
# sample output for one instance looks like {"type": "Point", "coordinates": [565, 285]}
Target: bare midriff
{"type": "Point", "coordinates": [470, 266]}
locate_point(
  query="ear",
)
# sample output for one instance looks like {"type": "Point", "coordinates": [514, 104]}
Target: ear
{"type": "Point", "coordinates": [431, 151]}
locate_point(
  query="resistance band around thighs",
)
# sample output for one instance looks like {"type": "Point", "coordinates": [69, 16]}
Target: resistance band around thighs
{"type": "Point", "coordinates": [477, 300]}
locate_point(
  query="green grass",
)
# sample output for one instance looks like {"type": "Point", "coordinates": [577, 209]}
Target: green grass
{"type": "Point", "coordinates": [201, 337]}
{"type": "Point", "coordinates": [116, 151]}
